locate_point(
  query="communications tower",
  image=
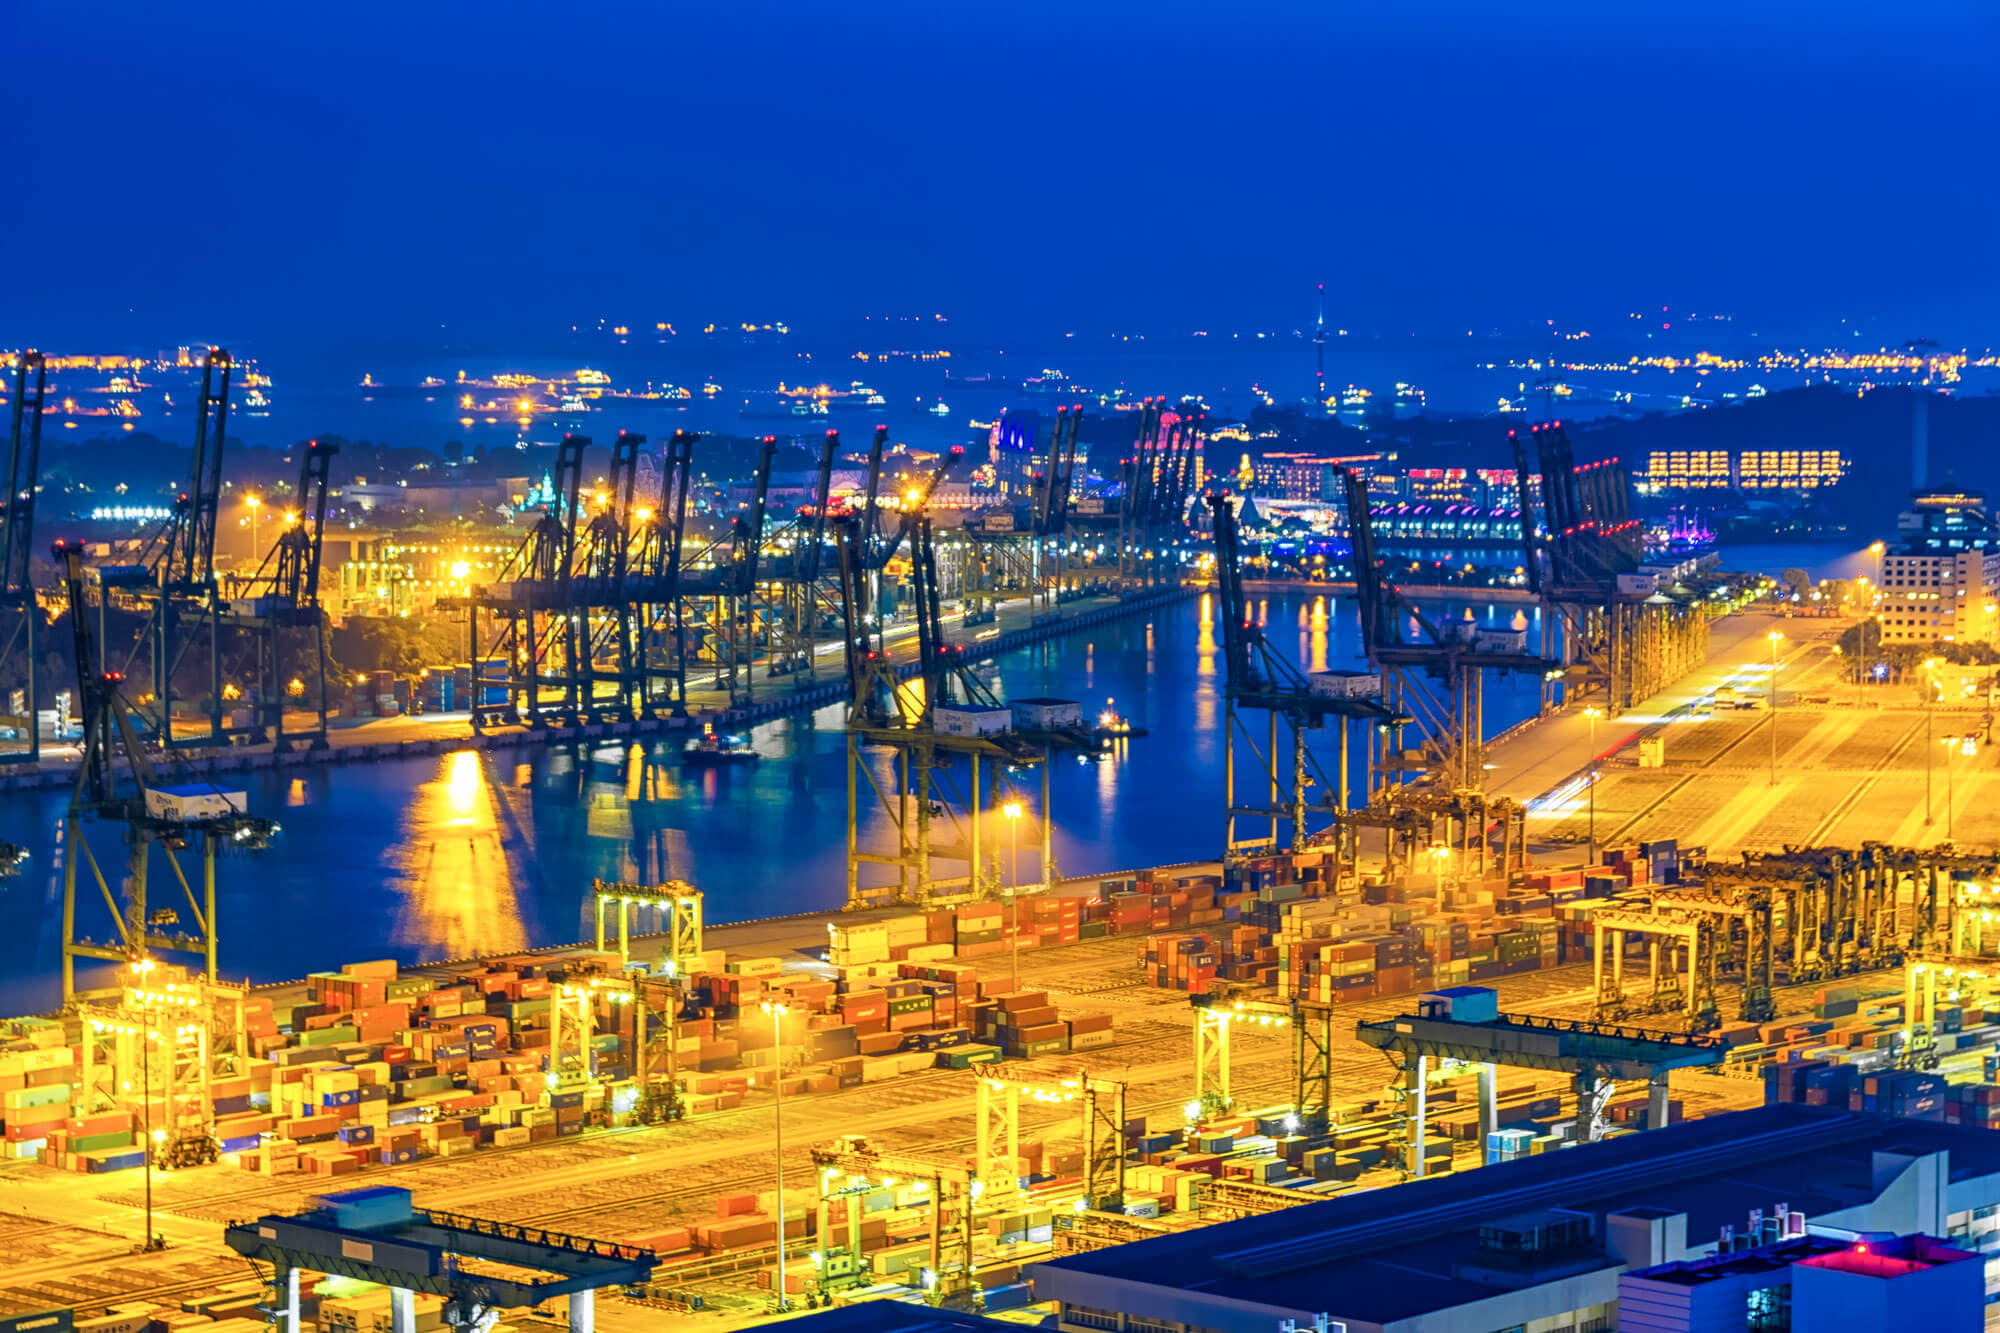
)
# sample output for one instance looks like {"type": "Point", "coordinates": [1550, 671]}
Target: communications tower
{"type": "Point", "coordinates": [1319, 354]}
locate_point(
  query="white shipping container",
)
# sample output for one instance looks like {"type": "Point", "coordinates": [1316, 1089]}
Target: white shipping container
{"type": "Point", "coordinates": [1502, 641]}
{"type": "Point", "coordinates": [190, 802]}
{"type": "Point", "coordinates": [1345, 684]}
{"type": "Point", "coordinates": [1638, 585]}
{"type": "Point", "coordinates": [1047, 714]}
{"type": "Point", "coordinates": [972, 720]}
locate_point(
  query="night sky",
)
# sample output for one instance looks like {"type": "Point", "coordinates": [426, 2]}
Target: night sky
{"type": "Point", "coordinates": [317, 173]}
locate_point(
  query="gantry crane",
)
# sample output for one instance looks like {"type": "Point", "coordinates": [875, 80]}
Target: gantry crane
{"type": "Point", "coordinates": [1020, 546]}
{"type": "Point", "coordinates": [538, 635]}
{"type": "Point", "coordinates": [1438, 680]}
{"type": "Point", "coordinates": [153, 814]}
{"type": "Point", "coordinates": [929, 816]}
{"type": "Point", "coordinates": [20, 615]}
{"type": "Point", "coordinates": [1100, 1105]}
{"type": "Point", "coordinates": [1309, 1024]}
{"type": "Point", "coordinates": [1259, 679]}
{"type": "Point", "coordinates": [1595, 1055]}
{"type": "Point", "coordinates": [173, 585]}
{"type": "Point", "coordinates": [1622, 631]}
{"type": "Point", "coordinates": [601, 596]}
{"type": "Point", "coordinates": [805, 598]}
{"type": "Point", "coordinates": [288, 599]}
{"type": "Point", "coordinates": [851, 1168]}
{"type": "Point", "coordinates": [659, 535]}
{"type": "Point", "coordinates": [154, 1047]}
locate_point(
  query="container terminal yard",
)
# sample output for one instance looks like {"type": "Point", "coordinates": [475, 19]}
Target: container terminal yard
{"type": "Point", "coordinates": [1711, 878]}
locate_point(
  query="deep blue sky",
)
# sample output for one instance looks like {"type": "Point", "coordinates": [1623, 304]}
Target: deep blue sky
{"type": "Point", "coordinates": [321, 171]}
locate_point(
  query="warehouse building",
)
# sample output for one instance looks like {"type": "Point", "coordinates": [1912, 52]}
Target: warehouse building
{"type": "Point", "coordinates": [1541, 1243]}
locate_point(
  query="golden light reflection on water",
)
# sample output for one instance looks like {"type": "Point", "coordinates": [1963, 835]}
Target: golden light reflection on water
{"type": "Point", "coordinates": [1205, 694]}
{"type": "Point", "coordinates": [1316, 629]}
{"type": "Point", "coordinates": [459, 893]}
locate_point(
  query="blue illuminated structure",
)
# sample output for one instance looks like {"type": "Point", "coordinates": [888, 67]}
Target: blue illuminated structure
{"type": "Point", "coordinates": [376, 1235]}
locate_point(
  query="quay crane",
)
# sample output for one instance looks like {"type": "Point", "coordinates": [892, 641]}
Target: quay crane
{"type": "Point", "coordinates": [289, 600]}
{"type": "Point", "coordinates": [172, 817]}
{"type": "Point", "coordinates": [926, 724]}
{"type": "Point", "coordinates": [1623, 630]}
{"type": "Point", "coordinates": [1258, 679]}
{"type": "Point", "coordinates": [1440, 679]}
{"type": "Point", "coordinates": [174, 581]}
{"type": "Point", "coordinates": [1021, 546]}
{"type": "Point", "coordinates": [20, 615]}
{"type": "Point", "coordinates": [806, 597]}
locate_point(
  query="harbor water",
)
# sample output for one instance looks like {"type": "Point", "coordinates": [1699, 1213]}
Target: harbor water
{"type": "Point", "coordinates": [447, 856]}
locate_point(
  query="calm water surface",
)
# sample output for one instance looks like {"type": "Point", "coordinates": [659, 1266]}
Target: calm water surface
{"type": "Point", "coordinates": [450, 855]}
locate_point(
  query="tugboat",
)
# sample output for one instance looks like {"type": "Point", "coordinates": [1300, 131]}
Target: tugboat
{"type": "Point", "coordinates": [710, 749]}
{"type": "Point", "coordinates": [1111, 726]}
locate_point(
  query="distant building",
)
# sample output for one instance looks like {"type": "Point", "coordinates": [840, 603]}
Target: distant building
{"type": "Point", "coordinates": [1290, 474]}
{"type": "Point", "coordinates": [1941, 583]}
{"type": "Point", "coordinates": [1672, 471]}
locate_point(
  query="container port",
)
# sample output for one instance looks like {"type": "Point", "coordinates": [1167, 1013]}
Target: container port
{"type": "Point", "coordinates": [1428, 955]}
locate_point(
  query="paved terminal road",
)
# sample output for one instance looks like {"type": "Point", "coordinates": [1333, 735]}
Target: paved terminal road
{"type": "Point", "coordinates": [1851, 763]}
{"type": "Point", "coordinates": [627, 1183]}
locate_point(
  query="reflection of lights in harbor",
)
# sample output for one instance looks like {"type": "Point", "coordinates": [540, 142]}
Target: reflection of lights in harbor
{"type": "Point", "coordinates": [462, 785]}
{"type": "Point", "coordinates": [449, 866]}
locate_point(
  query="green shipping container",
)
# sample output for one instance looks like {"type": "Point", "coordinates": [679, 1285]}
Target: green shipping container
{"type": "Point", "coordinates": [965, 1057]}
{"type": "Point", "coordinates": [332, 1036]}
{"type": "Point", "coordinates": [94, 1142]}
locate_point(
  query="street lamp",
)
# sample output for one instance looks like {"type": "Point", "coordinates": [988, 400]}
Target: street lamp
{"type": "Point", "coordinates": [1776, 639]}
{"type": "Point", "coordinates": [255, 505]}
{"type": "Point", "coordinates": [1012, 810]}
{"type": "Point", "coordinates": [1930, 697]}
{"type": "Point", "coordinates": [1439, 853]}
{"type": "Point", "coordinates": [1951, 743]}
{"type": "Point", "coordinates": [1590, 779]}
{"type": "Point", "coordinates": [777, 1013]}
{"type": "Point", "coordinates": [148, 1033]}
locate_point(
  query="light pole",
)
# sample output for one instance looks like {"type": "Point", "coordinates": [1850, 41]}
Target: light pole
{"type": "Point", "coordinates": [147, 1035]}
{"type": "Point", "coordinates": [1930, 697]}
{"type": "Point", "coordinates": [1590, 779]}
{"type": "Point", "coordinates": [1440, 853]}
{"type": "Point", "coordinates": [1776, 639]}
{"type": "Point", "coordinates": [1949, 801]}
{"type": "Point", "coordinates": [256, 505]}
{"type": "Point", "coordinates": [777, 1013]}
{"type": "Point", "coordinates": [1012, 810]}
